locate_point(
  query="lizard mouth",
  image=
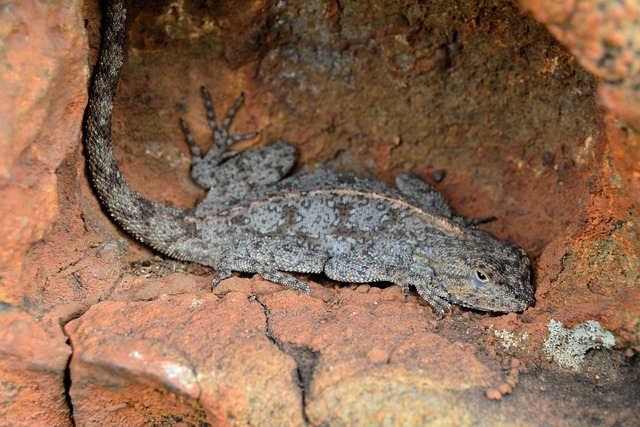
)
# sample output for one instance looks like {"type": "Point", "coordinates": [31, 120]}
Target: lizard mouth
{"type": "Point", "coordinates": [518, 303]}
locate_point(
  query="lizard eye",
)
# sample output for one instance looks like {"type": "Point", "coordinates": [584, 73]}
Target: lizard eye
{"type": "Point", "coordinates": [481, 276]}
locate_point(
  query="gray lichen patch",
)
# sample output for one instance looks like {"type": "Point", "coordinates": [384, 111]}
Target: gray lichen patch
{"type": "Point", "coordinates": [510, 340]}
{"type": "Point", "coordinates": [567, 347]}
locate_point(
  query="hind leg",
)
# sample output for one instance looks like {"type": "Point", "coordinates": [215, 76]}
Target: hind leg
{"type": "Point", "coordinates": [249, 265]}
{"type": "Point", "coordinates": [222, 140]}
{"type": "Point", "coordinates": [247, 172]}
{"type": "Point", "coordinates": [227, 173]}
{"type": "Point", "coordinates": [271, 259]}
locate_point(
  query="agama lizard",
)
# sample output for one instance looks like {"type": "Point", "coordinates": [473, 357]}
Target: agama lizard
{"type": "Point", "coordinates": [255, 219]}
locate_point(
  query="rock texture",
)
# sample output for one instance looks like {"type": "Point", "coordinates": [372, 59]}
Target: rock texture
{"type": "Point", "coordinates": [604, 37]}
{"type": "Point", "coordinates": [32, 373]}
{"type": "Point", "coordinates": [43, 95]}
{"type": "Point", "coordinates": [190, 358]}
{"type": "Point", "coordinates": [98, 330]}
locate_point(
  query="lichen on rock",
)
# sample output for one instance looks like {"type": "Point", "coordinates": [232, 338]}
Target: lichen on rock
{"type": "Point", "coordinates": [567, 347]}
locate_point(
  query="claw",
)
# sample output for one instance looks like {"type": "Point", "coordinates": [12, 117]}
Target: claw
{"type": "Point", "coordinates": [405, 292]}
{"type": "Point", "coordinates": [208, 105]}
{"type": "Point", "coordinates": [232, 112]}
{"type": "Point", "coordinates": [224, 274]}
{"type": "Point", "coordinates": [306, 288]}
{"type": "Point", "coordinates": [195, 150]}
{"type": "Point", "coordinates": [480, 220]}
{"type": "Point", "coordinates": [243, 136]}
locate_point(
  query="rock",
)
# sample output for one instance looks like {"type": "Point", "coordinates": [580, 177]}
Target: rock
{"type": "Point", "coordinates": [191, 358]}
{"type": "Point", "coordinates": [32, 372]}
{"type": "Point", "coordinates": [43, 93]}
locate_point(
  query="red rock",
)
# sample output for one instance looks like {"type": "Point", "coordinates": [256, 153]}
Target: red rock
{"type": "Point", "coordinates": [189, 357]}
{"type": "Point", "coordinates": [493, 394]}
{"type": "Point", "coordinates": [602, 36]}
{"type": "Point", "coordinates": [32, 373]}
{"type": "Point", "coordinates": [505, 388]}
{"type": "Point", "coordinates": [42, 88]}
{"type": "Point", "coordinates": [487, 94]}
{"type": "Point", "coordinates": [419, 363]}
{"type": "Point", "coordinates": [377, 355]}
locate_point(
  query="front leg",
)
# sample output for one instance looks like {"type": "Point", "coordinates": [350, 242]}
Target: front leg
{"type": "Point", "coordinates": [362, 268]}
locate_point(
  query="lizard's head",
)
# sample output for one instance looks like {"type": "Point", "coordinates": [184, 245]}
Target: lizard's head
{"type": "Point", "coordinates": [486, 274]}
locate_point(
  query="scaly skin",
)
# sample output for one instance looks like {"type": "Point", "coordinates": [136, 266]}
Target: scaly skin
{"type": "Point", "coordinates": [255, 220]}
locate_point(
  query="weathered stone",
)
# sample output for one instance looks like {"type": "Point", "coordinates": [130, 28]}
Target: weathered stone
{"type": "Point", "coordinates": [32, 372]}
{"type": "Point", "coordinates": [478, 90]}
{"type": "Point", "coordinates": [194, 358]}
{"type": "Point", "coordinates": [421, 377]}
{"type": "Point", "coordinates": [603, 35]}
{"type": "Point", "coordinates": [42, 98]}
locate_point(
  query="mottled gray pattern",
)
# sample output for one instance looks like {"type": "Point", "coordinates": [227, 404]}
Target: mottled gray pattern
{"type": "Point", "coordinates": [256, 220]}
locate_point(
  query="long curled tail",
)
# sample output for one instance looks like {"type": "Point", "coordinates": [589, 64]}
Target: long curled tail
{"type": "Point", "coordinates": [160, 227]}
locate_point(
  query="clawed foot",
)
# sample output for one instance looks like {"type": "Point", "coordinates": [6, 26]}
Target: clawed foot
{"type": "Point", "coordinates": [477, 221]}
{"type": "Point", "coordinates": [434, 296]}
{"type": "Point", "coordinates": [272, 276]}
{"type": "Point", "coordinates": [285, 280]}
{"type": "Point", "coordinates": [224, 274]}
{"type": "Point", "coordinates": [221, 137]}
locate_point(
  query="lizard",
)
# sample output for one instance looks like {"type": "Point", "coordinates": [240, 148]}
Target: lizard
{"type": "Point", "coordinates": [257, 218]}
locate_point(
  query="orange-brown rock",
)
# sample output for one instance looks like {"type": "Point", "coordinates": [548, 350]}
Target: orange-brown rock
{"type": "Point", "coordinates": [32, 372]}
{"type": "Point", "coordinates": [507, 107]}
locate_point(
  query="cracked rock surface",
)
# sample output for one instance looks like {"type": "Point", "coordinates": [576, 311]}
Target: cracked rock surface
{"type": "Point", "coordinates": [500, 112]}
{"type": "Point", "coordinates": [189, 357]}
